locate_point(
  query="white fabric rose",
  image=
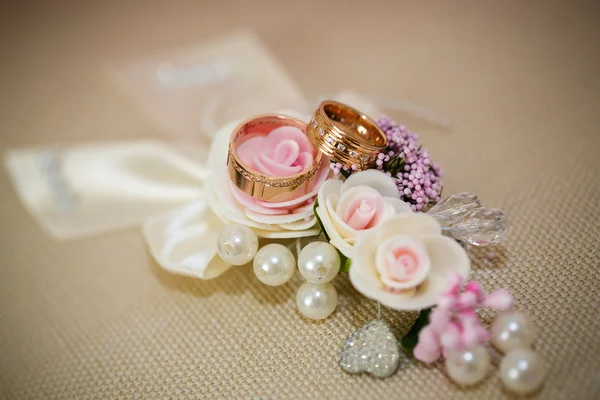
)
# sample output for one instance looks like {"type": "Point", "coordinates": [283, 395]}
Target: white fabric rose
{"type": "Point", "coordinates": [358, 205]}
{"type": "Point", "coordinates": [404, 263]}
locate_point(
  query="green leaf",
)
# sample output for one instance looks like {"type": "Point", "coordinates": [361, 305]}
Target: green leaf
{"type": "Point", "coordinates": [409, 342]}
{"type": "Point", "coordinates": [319, 220]}
{"type": "Point", "coordinates": [345, 174]}
{"type": "Point", "coordinates": [395, 164]}
{"type": "Point", "coordinates": [346, 263]}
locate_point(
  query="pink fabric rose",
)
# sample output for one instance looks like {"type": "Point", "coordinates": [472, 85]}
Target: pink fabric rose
{"type": "Point", "coordinates": [402, 262]}
{"type": "Point", "coordinates": [282, 152]}
{"type": "Point", "coordinates": [362, 208]}
{"type": "Point", "coordinates": [285, 151]}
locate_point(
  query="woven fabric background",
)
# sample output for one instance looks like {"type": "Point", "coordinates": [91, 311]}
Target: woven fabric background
{"type": "Point", "coordinates": [96, 318]}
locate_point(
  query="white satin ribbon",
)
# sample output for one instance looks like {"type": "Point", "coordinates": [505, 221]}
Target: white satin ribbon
{"type": "Point", "coordinates": [183, 240]}
{"type": "Point", "coordinates": [99, 188]}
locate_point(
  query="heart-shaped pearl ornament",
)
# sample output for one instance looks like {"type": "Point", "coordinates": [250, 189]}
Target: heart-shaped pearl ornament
{"type": "Point", "coordinates": [373, 349]}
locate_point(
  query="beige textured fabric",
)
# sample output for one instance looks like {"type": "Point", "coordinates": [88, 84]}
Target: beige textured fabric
{"type": "Point", "coordinates": [97, 318]}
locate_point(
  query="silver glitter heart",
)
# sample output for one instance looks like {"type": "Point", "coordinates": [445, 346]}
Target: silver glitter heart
{"type": "Point", "coordinates": [373, 349]}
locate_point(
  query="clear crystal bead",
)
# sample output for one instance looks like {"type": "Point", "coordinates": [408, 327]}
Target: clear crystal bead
{"type": "Point", "coordinates": [452, 209]}
{"type": "Point", "coordinates": [329, 139]}
{"type": "Point", "coordinates": [321, 132]}
{"type": "Point", "coordinates": [373, 349]}
{"type": "Point", "coordinates": [481, 227]}
{"type": "Point", "coordinates": [341, 147]}
{"type": "Point", "coordinates": [353, 153]}
{"type": "Point", "coordinates": [315, 124]}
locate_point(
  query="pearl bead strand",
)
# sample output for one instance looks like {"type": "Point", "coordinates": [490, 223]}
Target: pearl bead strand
{"type": "Point", "coordinates": [318, 263]}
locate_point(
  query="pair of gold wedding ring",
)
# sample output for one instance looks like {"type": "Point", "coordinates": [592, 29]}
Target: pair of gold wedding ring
{"type": "Point", "coordinates": [338, 131]}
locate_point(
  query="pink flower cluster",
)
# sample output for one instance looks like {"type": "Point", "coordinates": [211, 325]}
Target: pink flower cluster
{"type": "Point", "coordinates": [453, 324]}
{"type": "Point", "coordinates": [417, 177]}
{"type": "Point", "coordinates": [408, 163]}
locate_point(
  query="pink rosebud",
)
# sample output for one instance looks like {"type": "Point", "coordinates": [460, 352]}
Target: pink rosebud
{"type": "Point", "coordinates": [467, 300]}
{"type": "Point", "coordinates": [484, 335]}
{"type": "Point", "coordinates": [454, 283]}
{"type": "Point", "coordinates": [427, 349]}
{"type": "Point", "coordinates": [477, 290]}
{"type": "Point", "coordinates": [466, 314]}
{"type": "Point", "coordinates": [428, 339]}
{"type": "Point", "coordinates": [424, 355]}
{"type": "Point", "coordinates": [470, 334]}
{"type": "Point", "coordinates": [447, 302]}
{"type": "Point", "coordinates": [499, 299]}
{"type": "Point", "coordinates": [439, 319]}
{"type": "Point", "coordinates": [451, 336]}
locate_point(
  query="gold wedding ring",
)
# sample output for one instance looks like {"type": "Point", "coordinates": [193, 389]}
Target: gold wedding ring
{"type": "Point", "coordinates": [346, 135]}
{"type": "Point", "coordinates": [261, 186]}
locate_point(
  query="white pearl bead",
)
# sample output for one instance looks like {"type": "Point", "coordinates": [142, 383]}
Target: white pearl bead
{"type": "Point", "coordinates": [237, 244]}
{"type": "Point", "coordinates": [319, 262]}
{"type": "Point", "coordinates": [522, 371]}
{"type": "Point", "coordinates": [469, 366]}
{"type": "Point", "coordinates": [512, 329]}
{"type": "Point", "coordinates": [316, 301]}
{"type": "Point", "coordinates": [274, 264]}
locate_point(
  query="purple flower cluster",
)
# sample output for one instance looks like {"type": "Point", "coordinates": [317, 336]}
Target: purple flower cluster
{"type": "Point", "coordinates": [408, 163]}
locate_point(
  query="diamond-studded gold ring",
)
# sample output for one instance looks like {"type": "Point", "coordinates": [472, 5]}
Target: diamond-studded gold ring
{"type": "Point", "coordinates": [346, 135]}
{"type": "Point", "coordinates": [259, 185]}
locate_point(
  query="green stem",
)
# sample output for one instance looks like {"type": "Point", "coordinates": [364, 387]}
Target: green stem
{"type": "Point", "coordinates": [410, 340]}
